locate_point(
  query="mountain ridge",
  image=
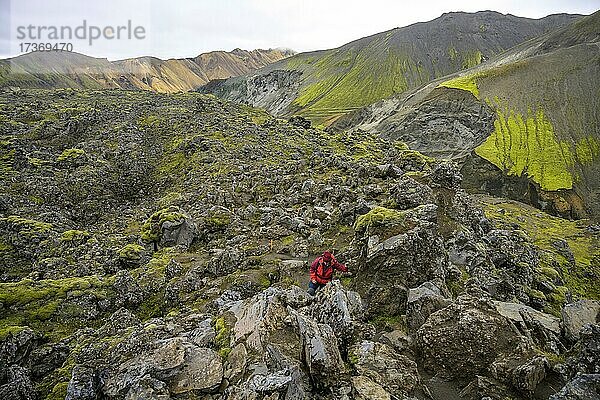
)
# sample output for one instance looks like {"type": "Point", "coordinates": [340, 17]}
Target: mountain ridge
{"type": "Point", "coordinates": [547, 85]}
{"type": "Point", "coordinates": [75, 70]}
{"type": "Point", "coordinates": [325, 84]}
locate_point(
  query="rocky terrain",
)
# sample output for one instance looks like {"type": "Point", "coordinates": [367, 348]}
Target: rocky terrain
{"type": "Point", "coordinates": [77, 71]}
{"type": "Point", "coordinates": [156, 246]}
{"type": "Point", "coordinates": [324, 85]}
{"type": "Point", "coordinates": [524, 124]}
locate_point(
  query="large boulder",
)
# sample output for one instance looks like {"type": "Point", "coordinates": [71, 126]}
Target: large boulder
{"type": "Point", "coordinates": [169, 227]}
{"type": "Point", "coordinates": [465, 338]}
{"type": "Point", "coordinates": [587, 358]}
{"type": "Point", "coordinates": [396, 373]}
{"type": "Point", "coordinates": [201, 371]}
{"type": "Point", "coordinates": [176, 360]}
{"type": "Point", "coordinates": [341, 309]}
{"type": "Point", "coordinates": [401, 250]}
{"type": "Point", "coordinates": [578, 314]}
{"type": "Point", "coordinates": [320, 349]}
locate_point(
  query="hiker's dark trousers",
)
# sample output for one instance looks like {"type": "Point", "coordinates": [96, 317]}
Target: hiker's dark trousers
{"type": "Point", "coordinates": [313, 287]}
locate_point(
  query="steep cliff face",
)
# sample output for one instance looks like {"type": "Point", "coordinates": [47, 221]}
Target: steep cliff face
{"type": "Point", "coordinates": [533, 124]}
{"type": "Point", "coordinates": [72, 70]}
{"type": "Point", "coordinates": [334, 82]}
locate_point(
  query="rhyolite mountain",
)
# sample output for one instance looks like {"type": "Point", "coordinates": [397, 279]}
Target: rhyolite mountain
{"type": "Point", "coordinates": [158, 245]}
{"type": "Point", "coordinates": [77, 71]}
{"type": "Point", "coordinates": [323, 85]}
{"type": "Point", "coordinates": [525, 123]}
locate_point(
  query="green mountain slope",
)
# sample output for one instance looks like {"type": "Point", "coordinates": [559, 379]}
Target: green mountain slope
{"type": "Point", "coordinates": [531, 113]}
{"type": "Point", "coordinates": [326, 84]}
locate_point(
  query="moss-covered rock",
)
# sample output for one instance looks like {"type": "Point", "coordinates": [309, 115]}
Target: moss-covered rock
{"type": "Point", "coordinates": [151, 229]}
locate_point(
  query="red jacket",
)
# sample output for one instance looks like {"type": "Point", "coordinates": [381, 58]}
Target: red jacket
{"type": "Point", "coordinates": [322, 272]}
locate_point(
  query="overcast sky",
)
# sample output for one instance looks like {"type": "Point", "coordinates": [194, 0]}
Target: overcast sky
{"type": "Point", "coordinates": [185, 28]}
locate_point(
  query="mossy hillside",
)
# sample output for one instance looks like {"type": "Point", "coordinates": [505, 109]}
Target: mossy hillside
{"type": "Point", "coordinates": [70, 155]}
{"type": "Point", "coordinates": [546, 231]}
{"type": "Point", "coordinates": [527, 145]}
{"type": "Point", "coordinates": [466, 82]}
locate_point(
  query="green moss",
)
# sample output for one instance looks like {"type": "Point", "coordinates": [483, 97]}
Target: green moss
{"type": "Point", "coordinates": [415, 159]}
{"type": "Point", "coordinates": [218, 220]}
{"type": "Point", "coordinates": [27, 227]}
{"type": "Point", "coordinates": [587, 150]}
{"type": "Point", "coordinates": [151, 229]}
{"type": "Point", "coordinates": [131, 252]}
{"type": "Point", "coordinates": [36, 162]}
{"type": "Point", "coordinates": [288, 240]}
{"type": "Point", "coordinates": [223, 336]}
{"type": "Point", "coordinates": [452, 54]}
{"type": "Point", "coordinates": [379, 216]}
{"type": "Point", "coordinates": [548, 272]}
{"type": "Point", "coordinates": [5, 247]}
{"type": "Point", "coordinates": [527, 146]}
{"type": "Point", "coordinates": [59, 391]}
{"type": "Point", "coordinates": [388, 322]}
{"type": "Point", "coordinates": [75, 235]}
{"type": "Point", "coordinates": [458, 286]}
{"type": "Point", "coordinates": [10, 330]}
{"type": "Point", "coordinates": [70, 154]}
{"type": "Point", "coordinates": [44, 305]}
{"type": "Point", "coordinates": [467, 83]}
{"type": "Point", "coordinates": [536, 294]}
{"type": "Point", "coordinates": [471, 59]}
{"type": "Point", "coordinates": [148, 121]}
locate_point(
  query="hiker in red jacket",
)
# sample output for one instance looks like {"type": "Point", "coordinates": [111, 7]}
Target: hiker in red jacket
{"type": "Point", "coordinates": [321, 271]}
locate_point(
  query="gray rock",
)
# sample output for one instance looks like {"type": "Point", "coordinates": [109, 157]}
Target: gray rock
{"type": "Point", "coordinates": [379, 362]}
{"type": "Point", "coordinates": [582, 387]}
{"type": "Point", "coordinates": [203, 334]}
{"type": "Point", "coordinates": [270, 383]}
{"type": "Point", "coordinates": [320, 348]}
{"type": "Point", "coordinates": [178, 233]}
{"type": "Point", "coordinates": [527, 376]}
{"type": "Point", "coordinates": [202, 371]}
{"type": "Point", "coordinates": [576, 315]}
{"type": "Point", "coordinates": [423, 301]}
{"type": "Point", "coordinates": [366, 389]}
{"type": "Point", "coordinates": [238, 359]}
{"type": "Point", "coordinates": [19, 386]}
{"type": "Point", "coordinates": [339, 308]}
{"type": "Point", "coordinates": [587, 359]}
{"type": "Point", "coordinates": [148, 388]}
{"type": "Point", "coordinates": [515, 312]}
{"type": "Point", "coordinates": [409, 193]}
{"type": "Point", "coordinates": [83, 384]}
{"type": "Point", "coordinates": [483, 387]}
{"type": "Point", "coordinates": [463, 339]}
